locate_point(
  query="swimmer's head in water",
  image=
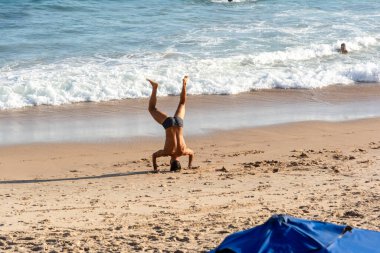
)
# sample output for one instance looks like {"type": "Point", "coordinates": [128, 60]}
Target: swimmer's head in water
{"type": "Point", "coordinates": [343, 48]}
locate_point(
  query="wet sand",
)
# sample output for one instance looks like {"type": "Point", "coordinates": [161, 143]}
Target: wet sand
{"type": "Point", "coordinates": [129, 120]}
{"type": "Point", "coordinates": [75, 197]}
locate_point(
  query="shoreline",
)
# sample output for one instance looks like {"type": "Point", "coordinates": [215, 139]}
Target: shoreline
{"type": "Point", "coordinates": [128, 119]}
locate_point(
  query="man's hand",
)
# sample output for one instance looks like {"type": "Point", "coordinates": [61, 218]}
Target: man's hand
{"type": "Point", "coordinates": [154, 160]}
{"type": "Point", "coordinates": [190, 161]}
{"type": "Point", "coordinates": [190, 153]}
{"type": "Point", "coordinates": [155, 155]}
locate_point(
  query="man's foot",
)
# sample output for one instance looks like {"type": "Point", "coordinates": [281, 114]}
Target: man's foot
{"type": "Point", "coordinates": [153, 83]}
{"type": "Point", "coordinates": [185, 79]}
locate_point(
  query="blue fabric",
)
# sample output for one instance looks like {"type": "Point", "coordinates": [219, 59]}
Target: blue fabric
{"type": "Point", "coordinates": [286, 234]}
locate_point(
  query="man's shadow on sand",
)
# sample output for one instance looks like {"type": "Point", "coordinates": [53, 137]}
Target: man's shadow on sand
{"type": "Point", "coordinates": [77, 178]}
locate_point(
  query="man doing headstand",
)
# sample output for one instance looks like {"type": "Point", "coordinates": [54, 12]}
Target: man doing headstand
{"type": "Point", "coordinates": [174, 143]}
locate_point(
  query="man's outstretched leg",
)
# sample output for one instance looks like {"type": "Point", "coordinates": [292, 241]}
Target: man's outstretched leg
{"type": "Point", "coordinates": [181, 106]}
{"type": "Point", "coordinates": [156, 114]}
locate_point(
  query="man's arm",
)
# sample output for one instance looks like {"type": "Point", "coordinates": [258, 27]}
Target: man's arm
{"type": "Point", "coordinates": [155, 155]}
{"type": "Point", "coordinates": [190, 153]}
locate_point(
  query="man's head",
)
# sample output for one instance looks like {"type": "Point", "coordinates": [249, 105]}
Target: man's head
{"type": "Point", "coordinates": [343, 49]}
{"type": "Point", "coordinates": [175, 165]}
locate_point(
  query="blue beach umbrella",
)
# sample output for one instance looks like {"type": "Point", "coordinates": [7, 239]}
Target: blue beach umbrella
{"type": "Point", "coordinates": [286, 234]}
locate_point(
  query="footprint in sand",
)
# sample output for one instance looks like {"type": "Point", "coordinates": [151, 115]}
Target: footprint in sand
{"type": "Point", "coordinates": [352, 214]}
{"type": "Point", "coordinates": [374, 145]}
{"type": "Point", "coordinates": [359, 150]}
{"type": "Point", "coordinates": [223, 169]}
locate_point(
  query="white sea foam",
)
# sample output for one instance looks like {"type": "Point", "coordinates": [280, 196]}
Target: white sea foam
{"type": "Point", "coordinates": [312, 52]}
{"type": "Point", "coordinates": [102, 79]}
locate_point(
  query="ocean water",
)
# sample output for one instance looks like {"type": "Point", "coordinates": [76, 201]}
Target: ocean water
{"type": "Point", "coordinates": [55, 52]}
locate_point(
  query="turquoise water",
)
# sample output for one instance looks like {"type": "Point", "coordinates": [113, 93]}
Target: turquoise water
{"type": "Point", "coordinates": [61, 52]}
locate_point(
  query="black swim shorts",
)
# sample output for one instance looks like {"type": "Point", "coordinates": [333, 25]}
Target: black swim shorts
{"type": "Point", "coordinates": [172, 121]}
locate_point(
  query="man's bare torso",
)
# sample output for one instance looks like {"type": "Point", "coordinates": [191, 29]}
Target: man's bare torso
{"type": "Point", "coordinates": [174, 141]}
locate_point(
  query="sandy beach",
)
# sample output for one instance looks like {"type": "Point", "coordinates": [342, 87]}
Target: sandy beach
{"type": "Point", "coordinates": [102, 197]}
{"type": "Point", "coordinates": [282, 105]}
